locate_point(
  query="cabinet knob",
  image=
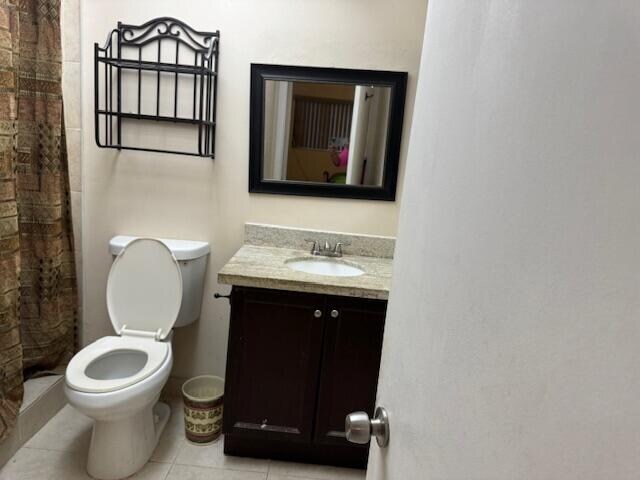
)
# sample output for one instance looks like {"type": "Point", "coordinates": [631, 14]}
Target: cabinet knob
{"type": "Point", "coordinates": [317, 313]}
{"type": "Point", "coordinates": [335, 313]}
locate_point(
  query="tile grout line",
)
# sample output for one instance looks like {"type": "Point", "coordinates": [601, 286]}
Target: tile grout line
{"type": "Point", "coordinates": [203, 467]}
{"type": "Point", "coordinates": [168, 472]}
{"type": "Point", "coordinates": [50, 450]}
{"type": "Point", "coordinates": [175, 458]}
{"type": "Point", "coordinates": [228, 469]}
{"type": "Point", "coordinates": [182, 445]}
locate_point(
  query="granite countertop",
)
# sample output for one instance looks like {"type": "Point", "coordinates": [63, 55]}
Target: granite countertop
{"type": "Point", "coordinates": [264, 267]}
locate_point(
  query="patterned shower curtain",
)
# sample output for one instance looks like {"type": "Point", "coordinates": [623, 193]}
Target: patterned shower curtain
{"type": "Point", "coordinates": [38, 302]}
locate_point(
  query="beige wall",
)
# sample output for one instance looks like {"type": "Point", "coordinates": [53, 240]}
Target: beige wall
{"type": "Point", "coordinates": [70, 39]}
{"type": "Point", "coordinates": [204, 199]}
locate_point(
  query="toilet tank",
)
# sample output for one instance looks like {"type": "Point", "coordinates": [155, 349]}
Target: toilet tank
{"type": "Point", "coordinates": [192, 257]}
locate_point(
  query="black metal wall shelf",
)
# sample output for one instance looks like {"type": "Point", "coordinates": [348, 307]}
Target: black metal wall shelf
{"type": "Point", "coordinates": [160, 71]}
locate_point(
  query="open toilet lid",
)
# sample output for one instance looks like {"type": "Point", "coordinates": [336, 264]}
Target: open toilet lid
{"type": "Point", "coordinates": [144, 288]}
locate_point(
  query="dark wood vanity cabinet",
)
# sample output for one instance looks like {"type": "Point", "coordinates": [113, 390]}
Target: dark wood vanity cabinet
{"type": "Point", "coordinates": [297, 364]}
{"type": "Point", "coordinates": [275, 349]}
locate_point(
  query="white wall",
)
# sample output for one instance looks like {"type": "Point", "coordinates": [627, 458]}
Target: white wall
{"type": "Point", "coordinates": [177, 196]}
{"type": "Point", "coordinates": [512, 346]}
{"type": "Point", "coordinates": [70, 42]}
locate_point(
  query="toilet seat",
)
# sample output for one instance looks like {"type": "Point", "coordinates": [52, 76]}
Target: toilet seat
{"type": "Point", "coordinates": [144, 289]}
{"type": "Point", "coordinates": [144, 293]}
{"type": "Point", "coordinates": [78, 379]}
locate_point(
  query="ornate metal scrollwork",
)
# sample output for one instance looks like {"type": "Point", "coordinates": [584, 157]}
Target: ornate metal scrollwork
{"type": "Point", "coordinates": [194, 59]}
{"type": "Point", "coordinates": [166, 27]}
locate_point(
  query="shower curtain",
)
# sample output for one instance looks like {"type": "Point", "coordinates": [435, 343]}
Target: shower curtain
{"type": "Point", "coordinates": [38, 302]}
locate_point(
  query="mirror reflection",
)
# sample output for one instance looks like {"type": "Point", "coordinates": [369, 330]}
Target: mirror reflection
{"type": "Point", "coordinates": [325, 132]}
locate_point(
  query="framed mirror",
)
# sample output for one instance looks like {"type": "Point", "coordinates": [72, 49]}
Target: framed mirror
{"type": "Point", "coordinates": [326, 132]}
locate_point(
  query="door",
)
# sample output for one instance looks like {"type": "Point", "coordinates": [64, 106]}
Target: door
{"type": "Point", "coordinates": [277, 127]}
{"type": "Point", "coordinates": [358, 137]}
{"type": "Point", "coordinates": [511, 346]}
{"type": "Point", "coordinates": [275, 342]}
{"type": "Point", "coordinates": [350, 364]}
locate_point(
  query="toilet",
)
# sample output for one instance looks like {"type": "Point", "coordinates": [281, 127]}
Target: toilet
{"type": "Point", "coordinates": [154, 285]}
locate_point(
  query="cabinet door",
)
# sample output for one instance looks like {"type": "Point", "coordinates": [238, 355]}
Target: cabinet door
{"type": "Point", "coordinates": [350, 365]}
{"type": "Point", "coordinates": [273, 361]}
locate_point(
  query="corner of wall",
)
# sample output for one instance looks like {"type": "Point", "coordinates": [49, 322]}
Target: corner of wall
{"type": "Point", "coordinates": [70, 34]}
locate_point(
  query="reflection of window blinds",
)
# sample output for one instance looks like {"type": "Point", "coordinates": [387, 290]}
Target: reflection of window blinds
{"type": "Point", "coordinates": [317, 121]}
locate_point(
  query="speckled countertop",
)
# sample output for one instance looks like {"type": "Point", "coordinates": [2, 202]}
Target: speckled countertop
{"type": "Point", "coordinates": [264, 265]}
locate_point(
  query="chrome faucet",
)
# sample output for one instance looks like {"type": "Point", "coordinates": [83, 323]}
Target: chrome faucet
{"type": "Point", "coordinates": [327, 250]}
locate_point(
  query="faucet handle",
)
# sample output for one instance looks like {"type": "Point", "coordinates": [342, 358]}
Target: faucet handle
{"type": "Point", "coordinates": [315, 247]}
{"type": "Point", "coordinates": [338, 247]}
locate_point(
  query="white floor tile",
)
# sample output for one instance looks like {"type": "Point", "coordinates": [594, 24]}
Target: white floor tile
{"type": "Point", "coordinates": [273, 476]}
{"type": "Point", "coordinates": [176, 421]}
{"type": "Point", "coordinates": [58, 452]}
{"type": "Point", "coordinates": [281, 470]}
{"type": "Point", "coordinates": [168, 447]}
{"type": "Point", "coordinates": [186, 472]}
{"type": "Point", "coordinates": [35, 464]}
{"type": "Point", "coordinates": [68, 431]}
{"type": "Point", "coordinates": [152, 471]}
{"type": "Point", "coordinates": [31, 464]}
{"type": "Point", "coordinates": [213, 456]}
{"type": "Point", "coordinates": [172, 438]}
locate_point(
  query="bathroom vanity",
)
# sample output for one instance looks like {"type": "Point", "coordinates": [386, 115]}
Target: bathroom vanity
{"type": "Point", "coordinates": [304, 349]}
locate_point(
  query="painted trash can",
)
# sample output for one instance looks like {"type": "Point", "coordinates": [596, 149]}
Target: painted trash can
{"type": "Point", "coordinates": [203, 397]}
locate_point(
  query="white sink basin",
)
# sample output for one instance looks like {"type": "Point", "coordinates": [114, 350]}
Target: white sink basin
{"type": "Point", "coordinates": [324, 266]}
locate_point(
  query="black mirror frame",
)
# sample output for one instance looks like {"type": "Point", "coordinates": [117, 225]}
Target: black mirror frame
{"type": "Point", "coordinates": [398, 83]}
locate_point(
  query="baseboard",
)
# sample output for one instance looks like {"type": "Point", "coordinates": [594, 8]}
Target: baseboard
{"type": "Point", "coordinates": [290, 451]}
{"type": "Point", "coordinates": [38, 409]}
{"type": "Point", "coordinates": [173, 388]}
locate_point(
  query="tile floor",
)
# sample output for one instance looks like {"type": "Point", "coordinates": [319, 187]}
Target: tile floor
{"type": "Point", "coordinates": [58, 452]}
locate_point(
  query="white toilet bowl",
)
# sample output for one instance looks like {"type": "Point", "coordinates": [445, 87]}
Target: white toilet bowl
{"type": "Point", "coordinates": [128, 420]}
{"type": "Point", "coordinates": [117, 380]}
